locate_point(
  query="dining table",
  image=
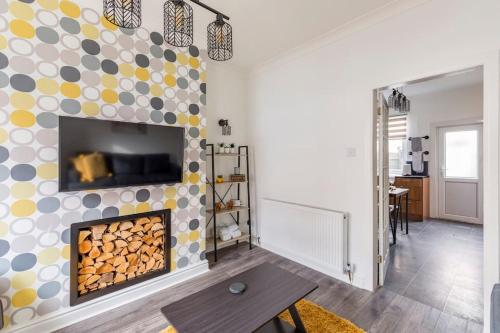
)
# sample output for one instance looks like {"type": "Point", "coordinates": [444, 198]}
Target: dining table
{"type": "Point", "coordinates": [396, 197]}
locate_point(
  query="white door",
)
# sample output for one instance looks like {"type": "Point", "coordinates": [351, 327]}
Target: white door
{"type": "Point", "coordinates": [460, 162]}
{"type": "Point", "coordinates": [383, 187]}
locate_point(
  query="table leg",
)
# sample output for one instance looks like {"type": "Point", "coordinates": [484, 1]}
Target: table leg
{"type": "Point", "coordinates": [400, 211]}
{"type": "Point", "coordinates": [407, 206]}
{"type": "Point", "coordinates": [299, 326]}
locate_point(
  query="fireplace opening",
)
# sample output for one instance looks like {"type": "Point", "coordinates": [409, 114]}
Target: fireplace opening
{"type": "Point", "coordinates": [114, 253]}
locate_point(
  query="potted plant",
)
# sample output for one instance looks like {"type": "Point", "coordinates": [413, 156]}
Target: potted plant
{"type": "Point", "coordinates": [233, 148]}
{"type": "Point", "coordinates": [220, 148]}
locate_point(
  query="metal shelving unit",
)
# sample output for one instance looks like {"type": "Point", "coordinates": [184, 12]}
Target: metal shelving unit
{"type": "Point", "coordinates": [214, 243]}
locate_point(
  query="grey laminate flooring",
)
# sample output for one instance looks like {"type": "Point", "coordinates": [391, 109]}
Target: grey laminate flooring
{"type": "Point", "coordinates": [433, 285]}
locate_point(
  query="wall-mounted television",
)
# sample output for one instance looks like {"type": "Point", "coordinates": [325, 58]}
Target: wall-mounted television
{"type": "Point", "coordinates": [97, 154]}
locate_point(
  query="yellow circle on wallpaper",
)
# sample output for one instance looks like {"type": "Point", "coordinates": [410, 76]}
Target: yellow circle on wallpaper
{"type": "Point", "coordinates": [23, 297]}
{"type": "Point", "coordinates": [23, 208]}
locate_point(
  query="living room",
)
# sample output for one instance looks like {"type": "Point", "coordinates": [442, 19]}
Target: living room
{"type": "Point", "coordinates": [207, 166]}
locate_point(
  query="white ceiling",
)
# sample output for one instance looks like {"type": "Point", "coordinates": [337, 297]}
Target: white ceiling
{"type": "Point", "coordinates": [262, 29]}
{"type": "Point", "coordinates": [449, 82]}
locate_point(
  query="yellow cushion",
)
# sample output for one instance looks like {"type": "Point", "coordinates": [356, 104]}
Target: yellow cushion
{"type": "Point", "coordinates": [169, 329]}
{"type": "Point", "coordinates": [91, 167]}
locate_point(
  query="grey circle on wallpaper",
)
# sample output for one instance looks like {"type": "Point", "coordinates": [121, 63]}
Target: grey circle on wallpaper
{"type": "Point", "coordinates": [4, 61]}
{"type": "Point", "coordinates": [142, 87]}
{"type": "Point", "coordinates": [22, 83]}
{"type": "Point", "coordinates": [47, 35]}
{"type": "Point", "coordinates": [4, 80]}
{"type": "Point", "coordinates": [91, 200]}
{"type": "Point", "coordinates": [71, 106]}
{"type": "Point", "coordinates": [71, 217]}
{"type": "Point", "coordinates": [142, 195]}
{"type": "Point", "coordinates": [70, 25]}
{"type": "Point", "coordinates": [4, 247]}
{"type": "Point", "coordinates": [49, 290]}
{"type": "Point", "coordinates": [47, 120]}
{"type": "Point", "coordinates": [23, 172]}
{"type": "Point", "coordinates": [4, 154]}
{"type": "Point", "coordinates": [110, 212]}
{"type": "Point", "coordinates": [92, 214]}
{"type": "Point", "coordinates": [91, 62]}
{"type": "Point", "coordinates": [109, 66]}
{"type": "Point", "coordinates": [70, 74]}
{"type": "Point", "coordinates": [91, 47]}
{"type": "Point", "coordinates": [23, 262]}
{"type": "Point", "coordinates": [48, 205]}
{"type": "Point", "coordinates": [4, 266]}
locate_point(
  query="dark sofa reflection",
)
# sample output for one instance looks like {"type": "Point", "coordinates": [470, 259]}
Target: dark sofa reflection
{"type": "Point", "coordinates": [129, 170]}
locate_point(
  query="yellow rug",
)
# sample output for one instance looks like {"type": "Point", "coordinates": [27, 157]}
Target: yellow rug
{"type": "Point", "coordinates": [315, 318]}
{"type": "Point", "coordinates": [319, 320]}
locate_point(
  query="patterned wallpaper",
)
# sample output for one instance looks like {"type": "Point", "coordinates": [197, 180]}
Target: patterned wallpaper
{"type": "Point", "coordinates": [57, 58]}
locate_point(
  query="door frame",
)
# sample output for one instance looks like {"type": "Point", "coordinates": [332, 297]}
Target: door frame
{"type": "Point", "coordinates": [435, 195]}
{"type": "Point", "coordinates": [489, 62]}
{"type": "Point", "coordinates": [383, 215]}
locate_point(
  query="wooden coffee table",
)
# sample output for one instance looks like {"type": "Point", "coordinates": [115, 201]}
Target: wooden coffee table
{"type": "Point", "coordinates": [270, 291]}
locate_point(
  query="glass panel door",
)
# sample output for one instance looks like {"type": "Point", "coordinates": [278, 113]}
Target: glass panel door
{"type": "Point", "coordinates": [461, 154]}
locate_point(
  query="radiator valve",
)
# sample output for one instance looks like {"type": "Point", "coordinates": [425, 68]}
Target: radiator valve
{"type": "Point", "coordinates": [348, 270]}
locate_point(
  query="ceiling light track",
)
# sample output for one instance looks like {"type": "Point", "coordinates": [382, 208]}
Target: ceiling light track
{"type": "Point", "coordinates": [178, 24]}
{"type": "Point", "coordinates": [216, 12]}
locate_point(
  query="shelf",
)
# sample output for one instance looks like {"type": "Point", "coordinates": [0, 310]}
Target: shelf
{"type": "Point", "coordinates": [228, 154]}
{"type": "Point", "coordinates": [222, 244]}
{"type": "Point", "coordinates": [228, 182]}
{"type": "Point", "coordinates": [228, 211]}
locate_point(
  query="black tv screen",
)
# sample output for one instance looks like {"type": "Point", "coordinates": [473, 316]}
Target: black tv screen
{"type": "Point", "coordinates": [96, 154]}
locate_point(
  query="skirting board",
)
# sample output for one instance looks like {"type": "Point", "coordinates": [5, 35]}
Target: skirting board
{"type": "Point", "coordinates": [358, 282]}
{"type": "Point", "coordinates": [69, 316]}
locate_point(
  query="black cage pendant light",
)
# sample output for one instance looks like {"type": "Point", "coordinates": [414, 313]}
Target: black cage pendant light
{"type": "Point", "coordinates": [123, 13]}
{"type": "Point", "coordinates": [178, 23]}
{"type": "Point", "coordinates": [220, 40]}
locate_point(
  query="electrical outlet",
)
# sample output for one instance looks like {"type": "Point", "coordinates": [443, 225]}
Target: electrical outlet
{"type": "Point", "coordinates": [351, 152]}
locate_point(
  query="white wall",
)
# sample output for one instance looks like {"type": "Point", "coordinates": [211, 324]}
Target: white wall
{"type": "Point", "coordinates": [309, 106]}
{"type": "Point", "coordinates": [465, 103]}
{"type": "Point", "coordinates": [227, 98]}
{"type": "Point", "coordinates": [456, 104]}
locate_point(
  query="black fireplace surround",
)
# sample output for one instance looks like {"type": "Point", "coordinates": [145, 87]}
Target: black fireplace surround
{"type": "Point", "coordinates": [75, 298]}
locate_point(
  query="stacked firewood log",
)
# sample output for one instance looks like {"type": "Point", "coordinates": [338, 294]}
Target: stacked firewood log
{"type": "Point", "coordinates": [117, 252]}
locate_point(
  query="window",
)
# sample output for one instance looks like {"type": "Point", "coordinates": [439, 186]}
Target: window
{"type": "Point", "coordinates": [397, 144]}
{"type": "Point", "coordinates": [461, 154]}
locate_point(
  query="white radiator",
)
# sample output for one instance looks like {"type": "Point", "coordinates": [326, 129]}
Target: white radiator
{"type": "Point", "coordinates": [314, 237]}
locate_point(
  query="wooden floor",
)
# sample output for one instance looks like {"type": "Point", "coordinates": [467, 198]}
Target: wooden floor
{"type": "Point", "coordinates": [433, 286]}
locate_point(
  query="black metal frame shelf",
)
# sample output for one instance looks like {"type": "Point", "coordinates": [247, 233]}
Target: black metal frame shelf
{"type": "Point", "coordinates": [243, 159]}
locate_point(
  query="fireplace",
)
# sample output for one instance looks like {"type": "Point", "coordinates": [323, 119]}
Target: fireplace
{"type": "Point", "coordinates": [114, 253]}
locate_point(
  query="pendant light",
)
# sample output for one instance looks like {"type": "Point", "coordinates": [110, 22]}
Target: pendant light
{"type": "Point", "coordinates": [123, 13]}
{"type": "Point", "coordinates": [178, 23]}
{"type": "Point", "coordinates": [399, 102]}
{"type": "Point", "coordinates": [220, 40]}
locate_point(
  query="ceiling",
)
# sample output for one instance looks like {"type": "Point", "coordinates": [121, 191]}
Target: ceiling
{"type": "Point", "coordinates": [445, 83]}
{"type": "Point", "coordinates": [263, 29]}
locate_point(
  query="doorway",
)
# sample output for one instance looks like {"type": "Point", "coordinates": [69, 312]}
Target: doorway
{"type": "Point", "coordinates": [438, 262]}
{"type": "Point", "coordinates": [460, 175]}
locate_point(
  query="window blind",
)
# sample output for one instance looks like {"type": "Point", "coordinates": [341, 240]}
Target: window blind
{"type": "Point", "coordinates": [397, 127]}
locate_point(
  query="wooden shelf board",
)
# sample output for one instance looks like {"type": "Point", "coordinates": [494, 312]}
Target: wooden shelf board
{"type": "Point", "coordinates": [228, 211]}
{"type": "Point", "coordinates": [228, 154]}
{"type": "Point", "coordinates": [228, 182]}
{"type": "Point", "coordinates": [222, 244]}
